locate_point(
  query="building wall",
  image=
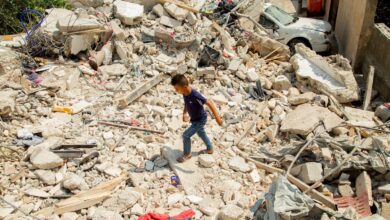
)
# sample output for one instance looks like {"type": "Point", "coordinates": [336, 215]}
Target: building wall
{"type": "Point", "coordinates": [377, 54]}
{"type": "Point", "coordinates": [354, 21]}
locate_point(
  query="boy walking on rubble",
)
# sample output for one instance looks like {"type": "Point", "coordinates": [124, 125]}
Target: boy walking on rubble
{"type": "Point", "coordinates": [195, 112]}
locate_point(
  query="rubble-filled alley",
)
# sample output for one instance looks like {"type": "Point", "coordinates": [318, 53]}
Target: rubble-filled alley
{"type": "Point", "coordinates": [91, 126]}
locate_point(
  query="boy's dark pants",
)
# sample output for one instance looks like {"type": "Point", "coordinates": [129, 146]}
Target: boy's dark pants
{"type": "Point", "coordinates": [196, 127]}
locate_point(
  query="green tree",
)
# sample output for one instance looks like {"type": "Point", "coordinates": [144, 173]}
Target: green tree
{"type": "Point", "coordinates": [10, 10]}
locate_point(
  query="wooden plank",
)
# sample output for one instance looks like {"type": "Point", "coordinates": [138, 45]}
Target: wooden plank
{"type": "Point", "coordinates": [139, 91]}
{"type": "Point", "coordinates": [368, 93]}
{"type": "Point", "coordinates": [314, 194]}
{"type": "Point", "coordinates": [181, 5]}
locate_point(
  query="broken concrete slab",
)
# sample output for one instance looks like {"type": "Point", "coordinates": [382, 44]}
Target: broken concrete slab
{"type": "Point", "coordinates": [178, 13]}
{"type": "Point", "coordinates": [46, 176]}
{"type": "Point", "coordinates": [334, 77]}
{"type": "Point", "coordinates": [77, 24]}
{"type": "Point", "coordinates": [360, 117]}
{"type": "Point", "coordinates": [44, 159]}
{"type": "Point", "coordinates": [159, 10]}
{"type": "Point", "coordinates": [49, 24]}
{"type": "Point", "coordinates": [281, 82]}
{"type": "Point", "coordinates": [309, 172]}
{"type": "Point", "coordinates": [116, 69]}
{"type": "Point", "coordinates": [170, 22]}
{"type": "Point", "coordinates": [128, 13]}
{"type": "Point", "coordinates": [7, 101]}
{"type": "Point", "coordinates": [363, 185]}
{"type": "Point", "coordinates": [118, 32]}
{"type": "Point", "coordinates": [345, 190]}
{"type": "Point", "coordinates": [230, 212]}
{"type": "Point", "coordinates": [301, 98]}
{"type": "Point", "coordinates": [206, 160]}
{"type": "Point", "coordinates": [238, 164]}
{"type": "Point", "coordinates": [305, 118]}
{"type": "Point", "coordinates": [77, 43]}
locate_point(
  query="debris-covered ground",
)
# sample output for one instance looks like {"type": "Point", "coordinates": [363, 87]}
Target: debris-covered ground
{"type": "Point", "coordinates": [91, 127]}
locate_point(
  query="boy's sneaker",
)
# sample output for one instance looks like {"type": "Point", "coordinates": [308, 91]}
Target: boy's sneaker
{"type": "Point", "coordinates": [183, 158]}
{"type": "Point", "coordinates": [206, 152]}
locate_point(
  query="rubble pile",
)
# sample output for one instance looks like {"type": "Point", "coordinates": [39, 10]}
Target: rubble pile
{"type": "Point", "coordinates": [94, 133]}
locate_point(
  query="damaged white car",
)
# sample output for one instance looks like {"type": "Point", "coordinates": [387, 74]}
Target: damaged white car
{"type": "Point", "coordinates": [291, 30]}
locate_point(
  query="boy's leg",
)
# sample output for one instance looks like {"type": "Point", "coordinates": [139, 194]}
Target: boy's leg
{"type": "Point", "coordinates": [195, 126]}
{"type": "Point", "coordinates": [202, 134]}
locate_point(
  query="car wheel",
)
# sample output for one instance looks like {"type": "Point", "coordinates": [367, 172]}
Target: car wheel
{"type": "Point", "coordinates": [296, 41]}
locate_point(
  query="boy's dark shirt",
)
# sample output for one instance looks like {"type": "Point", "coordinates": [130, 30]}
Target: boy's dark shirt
{"type": "Point", "coordinates": [194, 103]}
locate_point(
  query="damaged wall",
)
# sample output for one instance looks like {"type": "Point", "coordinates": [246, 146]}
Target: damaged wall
{"type": "Point", "coordinates": [354, 19]}
{"type": "Point", "coordinates": [377, 54]}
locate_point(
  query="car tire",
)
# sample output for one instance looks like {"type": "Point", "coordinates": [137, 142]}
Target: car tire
{"type": "Point", "coordinates": [296, 41]}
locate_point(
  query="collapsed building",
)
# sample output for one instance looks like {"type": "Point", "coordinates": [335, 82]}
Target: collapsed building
{"type": "Point", "coordinates": [91, 127]}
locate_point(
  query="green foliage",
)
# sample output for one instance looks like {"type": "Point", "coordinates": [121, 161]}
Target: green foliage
{"type": "Point", "coordinates": [10, 9]}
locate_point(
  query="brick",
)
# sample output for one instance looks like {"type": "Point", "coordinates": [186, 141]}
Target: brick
{"type": "Point", "coordinates": [363, 184]}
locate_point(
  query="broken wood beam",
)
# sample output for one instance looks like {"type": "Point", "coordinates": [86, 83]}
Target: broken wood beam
{"type": "Point", "coordinates": [65, 154]}
{"type": "Point", "coordinates": [181, 5]}
{"type": "Point", "coordinates": [136, 93]}
{"type": "Point", "coordinates": [369, 82]}
{"type": "Point", "coordinates": [314, 194]}
{"type": "Point", "coordinates": [130, 127]}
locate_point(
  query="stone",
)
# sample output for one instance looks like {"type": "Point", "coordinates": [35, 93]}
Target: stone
{"type": "Point", "coordinates": [122, 200]}
{"type": "Point", "coordinates": [103, 214]}
{"type": "Point", "coordinates": [160, 162]}
{"type": "Point", "coordinates": [326, 153]}
{"type": "Point", "coordinates": [128, 13]}
{"type": "Point", "coordinates": [7, 101]}
{"type": "Point", "coordinates": [44, 159]}
{"type": "Point", "coordinates": [69, 216]}
{"type": "Point", "coordinates": [384, 188]}
{"type": "Point", "coordinates": [281, 83]}
{"type": "Point", "coordinates": [385, 210]}
{"type": "Point", "coordinates": [77, 43]}
{"type": "Point", "coordinates": [175, 198]}
{"type": "Point", "coordinates": [206, 160]}
{"type": "Point", "coordinates": [363, 185]}
{"type": "Point", "coordinates": [360, 117]}
{"type": "Point", "coordinates": [383, 113]}
{"type": "Point", "coordinates": [345, 190]}
{"type": "Point", "coordinates": [77, 24]}
{"type": "Point", "coordinates": [178, 13]}
{"type": "Point", "coordinates": [308, 172]}
{"type": "Point", "coordinates": [46, 176]}
{"type": "Point", "coordinates": [254, 176]}
{"type": "Point", "coordinates": [116, 69]}
{"type": "Point", "coordinates": [73, 181]}
{"type": "Point", "coordinates": [252, 75]}
{"type": "Point", "coordinates": [332, 74]}
{"type": "Point", "coordinates": [238, 164]}
{"type": "Point", "coordinates": [24, 133]}
{"type": "Point", "coordinates": [137, 210]}
{"type": "Point", "coordinates": [207, 206]}
{"type": "Point", "coordinates": [123, 50]}
{"type": "Point", "coordinates": [302, 98]}
{"type": "Point", "coordinates": [170, 22]}
{"type": "Point", "coordinates": [113, 171]}
{"type": "Point", "coordinates": [230, 185]}
{"type": "Point", "coordinates": [149, 165]}
{"type": "Point", "coordinates": [37, 193]}
{"type": "Point", "coordinates": [159, 10]}
{"type": "Point", "coordinates": [194, 199]}
{"type": "Point", "coordinates": [234, 64]}
{"type": "Point", "coordinates": [305, 118]}
{"type": "Point", "coordinates": [191, 18]}
{"type": "Point", "coordinates": [230, 212]}
{"type": "Point", "coordinates": [118, 32]}
{"type": "Point", "coordinates": [204, 71]}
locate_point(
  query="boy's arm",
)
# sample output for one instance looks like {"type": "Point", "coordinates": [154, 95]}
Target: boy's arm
{"type": "Point", "coordinates": [186, 118]}
{"type": "Point", "coordinates": [214, 110]}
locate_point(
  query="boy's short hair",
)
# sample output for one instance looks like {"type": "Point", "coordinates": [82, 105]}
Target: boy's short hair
{"type": "Point", "coordinates": [179, 80]}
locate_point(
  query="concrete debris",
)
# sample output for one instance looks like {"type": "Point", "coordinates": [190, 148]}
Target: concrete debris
{"type": "Point", "coordinates": [335, 77]}
{"type": "Point", "coordinates": [231, 212]}
{"type": "Point", "coordinates": [305, 118]}
{"type": "Point", "coordinates": [128, 13]}
{"type": "Point", "coordinates": [206, 160]}
{"type": "Point", "coordinates": [44, 159]}
{"type": "Point", "coordinates": [78, 24]}
{"type": "Point", "coordinates": [99, 120]}
{"type": "Point", "coordinates": [238, 164]}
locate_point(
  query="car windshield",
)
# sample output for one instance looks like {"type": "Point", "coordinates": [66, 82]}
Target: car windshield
{"type": "Point", "coordinates": [280, 15]}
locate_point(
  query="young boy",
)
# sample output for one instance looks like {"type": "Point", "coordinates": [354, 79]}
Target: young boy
{"type": "Point", "coordinates": [193, 107]}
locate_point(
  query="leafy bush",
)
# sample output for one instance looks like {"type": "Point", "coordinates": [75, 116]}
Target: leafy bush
{"type": "Point", "coordinates": [10, 10]}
